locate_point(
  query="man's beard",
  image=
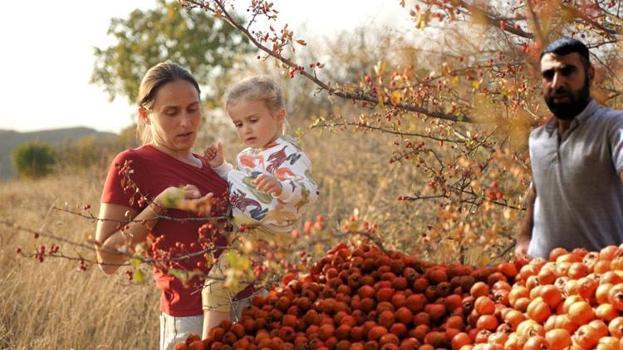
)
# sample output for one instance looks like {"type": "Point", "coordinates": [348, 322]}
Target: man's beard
{"type": "Point", "coordinates": [577, 101]}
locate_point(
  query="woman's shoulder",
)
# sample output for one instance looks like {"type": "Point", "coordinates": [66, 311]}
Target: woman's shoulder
{"type": "Point", "coordinates": [134, 157]}
{"type": "Point", "coordinates": [141, 152]}
{"type": "Point", "coordinates": [131, 154]}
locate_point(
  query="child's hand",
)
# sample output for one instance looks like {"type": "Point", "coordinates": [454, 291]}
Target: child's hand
{"type": "Point", "coordinates": [214, 154]}
{"type": "Point", "coordinates": [269, 184]}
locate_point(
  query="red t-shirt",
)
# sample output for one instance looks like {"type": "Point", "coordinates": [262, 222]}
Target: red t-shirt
{"type": "Point", "coordinates": [152, 172]}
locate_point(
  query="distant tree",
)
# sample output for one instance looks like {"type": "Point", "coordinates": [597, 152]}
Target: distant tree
{"type": "Point", "coordinates": [33, 159]}
{"type": "Point", "coordinates": [195, 40]}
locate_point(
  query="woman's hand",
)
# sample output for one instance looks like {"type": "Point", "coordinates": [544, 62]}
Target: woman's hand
{"type": "Point", "coordinates": [214, 154]}
{"type": "Point", "coordinates": [187, 198]}
{"type": "Point", "coordinates": [269, 184]}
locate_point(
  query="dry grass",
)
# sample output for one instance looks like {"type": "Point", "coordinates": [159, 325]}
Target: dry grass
{"type": "Point", "coordinates": [53, 305]}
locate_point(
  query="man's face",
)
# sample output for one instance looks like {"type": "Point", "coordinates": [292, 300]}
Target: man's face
{"type": "Point", "coordinates": [565, 84]}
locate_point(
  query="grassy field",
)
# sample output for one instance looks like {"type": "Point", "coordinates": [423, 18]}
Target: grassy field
{"type": "Point", "coordinates": [54, 305]}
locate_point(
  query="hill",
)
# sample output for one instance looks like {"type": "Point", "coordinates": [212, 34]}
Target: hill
{"type": "Point", "coordinates": [10, 139]}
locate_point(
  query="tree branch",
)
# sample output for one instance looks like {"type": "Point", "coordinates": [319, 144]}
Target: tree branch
{"type": "Point", "coordinates": [295, 68]}
{"type": "Point", "coordinates": [384, 130]}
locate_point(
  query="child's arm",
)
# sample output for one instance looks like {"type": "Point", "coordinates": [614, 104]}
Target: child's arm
{"type": "Point", "coordinates": [214, 154]}
{"type": "Point", "coordinates": [291, 182]}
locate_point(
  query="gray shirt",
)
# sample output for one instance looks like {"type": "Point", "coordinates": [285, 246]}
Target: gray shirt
{"type": "Point", "coordinates": [579, 200]}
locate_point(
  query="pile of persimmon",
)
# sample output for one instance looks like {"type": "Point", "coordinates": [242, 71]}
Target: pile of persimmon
{"type": "Point", "coordinates": [365, 298]}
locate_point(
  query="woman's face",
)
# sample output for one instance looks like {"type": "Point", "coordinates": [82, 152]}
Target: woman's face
{"type": "Point", "coordinates": [175, 116]}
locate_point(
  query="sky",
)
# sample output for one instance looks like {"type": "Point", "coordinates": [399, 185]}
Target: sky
{"type": "Point", "coordinates": [47, 54]}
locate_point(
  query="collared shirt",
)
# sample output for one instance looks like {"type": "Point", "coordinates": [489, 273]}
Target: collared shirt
{"type": "Point", "coordinates": [579, 191]}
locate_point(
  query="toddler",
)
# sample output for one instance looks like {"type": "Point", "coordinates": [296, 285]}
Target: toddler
{"type": "Point", "coordinates": [269, 187]}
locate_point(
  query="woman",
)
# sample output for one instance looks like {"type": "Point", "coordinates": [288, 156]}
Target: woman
{"type": "Point", "coordinates": [142, 201]}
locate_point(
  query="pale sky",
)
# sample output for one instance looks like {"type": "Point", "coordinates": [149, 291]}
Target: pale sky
{"type": "Point", "coordinates": [47, 54]}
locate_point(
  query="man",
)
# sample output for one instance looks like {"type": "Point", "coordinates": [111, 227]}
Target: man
{"type": "Point", "coordinates": [576, 195]}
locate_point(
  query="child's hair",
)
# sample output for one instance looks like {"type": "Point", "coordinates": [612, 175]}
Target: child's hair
{"type": "Point", "coordinates": [257, 88]}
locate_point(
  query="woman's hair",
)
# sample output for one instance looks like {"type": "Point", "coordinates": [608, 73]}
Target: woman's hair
{"type": "Point", "coordinates": [258, 88]}
{"type": "Point", "coordinates": [155, 78]}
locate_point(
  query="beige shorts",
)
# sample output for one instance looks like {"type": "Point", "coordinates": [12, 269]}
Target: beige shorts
{"type": "Point", "coordinates": [174, 330]}
{"type": "Point", "coordinates": [215, 295]}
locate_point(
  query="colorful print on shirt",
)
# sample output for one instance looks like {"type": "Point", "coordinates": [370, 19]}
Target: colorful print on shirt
{"type": "Point", "coordinates": [252, 207]}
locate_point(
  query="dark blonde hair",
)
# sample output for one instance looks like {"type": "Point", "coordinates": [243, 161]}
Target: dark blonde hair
{"type": "Point", "coordinates": [155, 78]}
{"type": "Point", "coordinates": [257, 88]}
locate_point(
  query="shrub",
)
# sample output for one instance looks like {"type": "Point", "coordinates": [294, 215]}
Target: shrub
{"type": "Point", "coordinates": [33, 159]}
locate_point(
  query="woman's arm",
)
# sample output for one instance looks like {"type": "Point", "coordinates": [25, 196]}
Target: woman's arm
{"type": "Point", "coordinates": [121, 228]}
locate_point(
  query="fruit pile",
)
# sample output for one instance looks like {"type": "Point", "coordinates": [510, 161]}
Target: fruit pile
{"type": "Point", "coordinates": [364, 298]}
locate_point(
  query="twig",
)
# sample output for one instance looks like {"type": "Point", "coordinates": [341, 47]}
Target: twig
{"type": "Point", "coordinates": [44, 234]}
{"type": "Point", "coordinates": [92, 217]}
{"type": "Point", "coordinates": [384, 130]}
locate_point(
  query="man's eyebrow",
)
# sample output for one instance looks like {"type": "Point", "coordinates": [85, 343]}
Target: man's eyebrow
{"type": "Point", "coordinates": [547, 71]}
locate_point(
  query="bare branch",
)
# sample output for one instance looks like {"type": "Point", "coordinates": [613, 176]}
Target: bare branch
{"type": "Point", "coordinates": [384, 130]}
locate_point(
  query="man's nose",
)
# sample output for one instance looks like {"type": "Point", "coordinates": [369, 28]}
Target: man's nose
{"type": "Point", "coordinates": [557, 81]}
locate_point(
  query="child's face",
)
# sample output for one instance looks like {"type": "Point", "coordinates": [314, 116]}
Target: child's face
{"type": "Point", "coordinates": [256, 125]}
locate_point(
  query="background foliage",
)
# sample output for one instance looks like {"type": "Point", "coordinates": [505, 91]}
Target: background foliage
{"type": "Point", "coordinates": [202, 44]}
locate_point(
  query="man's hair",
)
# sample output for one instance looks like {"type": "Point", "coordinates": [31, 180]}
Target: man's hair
{"type": "Point", "coordinates": [565, 46]}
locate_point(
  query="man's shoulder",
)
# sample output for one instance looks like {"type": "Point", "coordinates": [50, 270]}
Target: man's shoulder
{"type": "Point", "coordinates": [545, 128]}
{"type": "Point", "coordinates": [606, 117]}
{"type": "Point", "coordinates": [609, 113]}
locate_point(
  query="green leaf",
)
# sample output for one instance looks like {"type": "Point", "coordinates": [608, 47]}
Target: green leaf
{"type": "Point", "coordinates": [138, 276]}
{"type": "Point", "coordinates": [135, 262]}
{"type": "Point", "coordinates": [182, 275]}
